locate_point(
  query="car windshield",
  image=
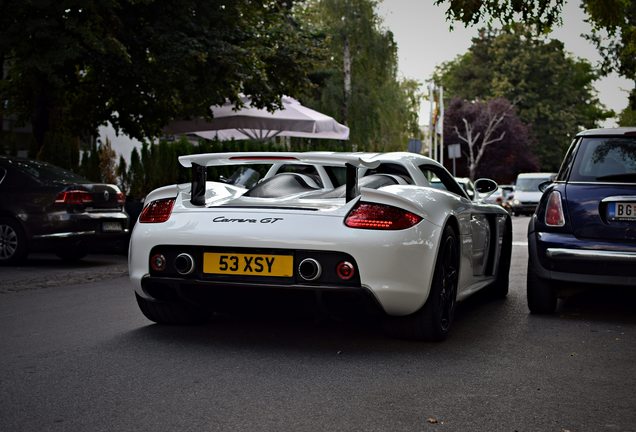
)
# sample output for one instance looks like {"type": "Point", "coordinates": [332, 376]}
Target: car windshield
{"type": "Point", "coordinates": [605, 159]}
{"type": "Point", "coordinates": [530, 184]}
{"type": "Point", "coordinates": [47, 173]}
{"type": "Point", "coordinates": [245, 177]}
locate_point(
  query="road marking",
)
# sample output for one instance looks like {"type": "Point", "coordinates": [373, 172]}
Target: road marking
{"type": "Point", "coordinates": [520, 243]}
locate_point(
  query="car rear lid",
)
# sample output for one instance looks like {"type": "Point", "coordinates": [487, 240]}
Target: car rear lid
{"type": "Point", "coordinates": [91, 196]}
{"type": "Point", "coordinates": [603, 212]}
{"type": "Point", "coordinates": [601, 189]}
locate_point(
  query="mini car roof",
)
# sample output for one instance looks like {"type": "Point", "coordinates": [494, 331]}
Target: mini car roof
{"type": "Point", "coordinates": [631, 131]}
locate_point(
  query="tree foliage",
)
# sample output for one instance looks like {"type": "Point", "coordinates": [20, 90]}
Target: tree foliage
{"type": "Point", "coordinates": [614, 34]}
{"type": "Point", "coordinates": [613, 25]}
{"type": "Point", "coordinates": [73, 65]}
{"type": "Point", "coordinates": [380, 109]}
{"type": "Point", "coordinates": [541, 14]}
{"type": "Point", "coordinates": [551, 90]}
{"type": "Point", "coordinates": [495, 143]}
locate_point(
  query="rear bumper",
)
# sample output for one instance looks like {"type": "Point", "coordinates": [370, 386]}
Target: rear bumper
{"type": "Point", "coordinates": [563, 257]}
{"type": "Point", "coordinates": [396, 266]}
{"type": "Point", "coordinates": [94, 232]}
{"type": "Point", "coordinates": [223, 297]}
{"type": "Point", "coordinates": [564, 254]}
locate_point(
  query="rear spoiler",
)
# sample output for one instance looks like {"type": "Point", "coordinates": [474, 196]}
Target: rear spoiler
{"type": "Point", "coordinates": [200, 162]}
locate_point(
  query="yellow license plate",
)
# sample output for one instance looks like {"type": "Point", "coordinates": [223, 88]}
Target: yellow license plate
{"type": "Point", "coordinates": [248, 264]}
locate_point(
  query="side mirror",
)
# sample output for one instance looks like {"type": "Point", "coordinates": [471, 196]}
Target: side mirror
{"type": "Point", "coordinates": [485, 186]}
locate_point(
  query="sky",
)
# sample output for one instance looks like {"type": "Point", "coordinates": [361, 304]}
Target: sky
{"type": "Point", "coordinates": [425, 41]}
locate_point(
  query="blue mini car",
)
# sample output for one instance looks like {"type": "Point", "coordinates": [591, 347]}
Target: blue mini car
{"type": "Point", "coordinates": [584, 228]}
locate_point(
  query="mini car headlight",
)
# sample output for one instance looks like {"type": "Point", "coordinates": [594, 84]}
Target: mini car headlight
{"type": "Point", "coordinates": [516, 202]}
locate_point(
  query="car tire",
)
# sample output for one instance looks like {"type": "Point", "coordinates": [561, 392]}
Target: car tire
{"type": "Point", "coordinates": [13, 242]}
{"type": "Point", "coordinates": [173, 313]}
{"type": "Point", "coordinates": [541, 293]}
{"type": "Point", "coordinates": [432, 322]}
{"type": "Point", "coordinates": [499, 288]}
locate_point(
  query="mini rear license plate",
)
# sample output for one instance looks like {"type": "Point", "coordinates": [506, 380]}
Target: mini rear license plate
{"type": "Point", "coordinates": [111, 227]}
{"type": "Point", "coordinates": [621, 211]}
{"type": "Point", "coordinates": [248, 264]}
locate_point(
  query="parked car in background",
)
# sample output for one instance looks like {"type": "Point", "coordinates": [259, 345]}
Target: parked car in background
{"type": "Point", "coordinates": [387, 241]}
{"type": "Point", "coordinates": [527, 192]}
{"type": "Point", "coordinates": [46, 208]}
{"type": "Point", "coordinates": [584, 229]}
{"type": "Point", "coordinates": [500, 196]}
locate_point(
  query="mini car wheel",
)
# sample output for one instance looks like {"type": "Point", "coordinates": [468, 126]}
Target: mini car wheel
{"type": "Point", "coordinates": [164, 312]}
{"type": "Point", "coordinates": [542, 297]}
{"type": "Point", "coordinates": [433, 321]}
{"type": "Point", "coordinates": [499, 288]}
{"type": "Point", "coordinates": [13, 242]}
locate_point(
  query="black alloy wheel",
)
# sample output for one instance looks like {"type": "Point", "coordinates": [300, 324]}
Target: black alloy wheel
{"type": "Point", "coordinates": [432, 322]}
{"type": "Point", "coordinates": [448, 279]}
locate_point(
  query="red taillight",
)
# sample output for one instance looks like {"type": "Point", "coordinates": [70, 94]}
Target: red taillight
{"type": "Point", "coordinates": [73, 197]}
{"type": "Point", "coordinates": [554, 210]}
{"type": "Point", "coordinates": [121, 198]}
{"type": "Point", "coordinates": [380, 217]}
{"type": "Point", "coordinates": [157, 211]}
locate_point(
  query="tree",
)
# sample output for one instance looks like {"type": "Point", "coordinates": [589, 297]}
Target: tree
{"type": "Point", "coordinates": [356, 82]}
{"type": "Point", "coordinates": [490, 116]}
{"type": "Point", "coordinates": [553, 92]}
{"type": "Point", "coordinates": [72, 66]}
{"type": "Point", "coordinates": [613, 25]}
{"type": "Point", "coordinates": [494, 141]}
{"type": "Point", "coordinates": [107, 164]}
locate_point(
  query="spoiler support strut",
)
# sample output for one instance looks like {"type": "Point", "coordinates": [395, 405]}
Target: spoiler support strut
{"type": "Point", "coordinates": [197, 190]}
{"type": "Point", "coordinates": [352, 190]}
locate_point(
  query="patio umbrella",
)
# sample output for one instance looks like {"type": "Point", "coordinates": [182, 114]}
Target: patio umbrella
{"type": "Point", "coordinates": [293, 120]}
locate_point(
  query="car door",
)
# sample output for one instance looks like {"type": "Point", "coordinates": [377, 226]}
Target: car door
{"type": "Point", "coordinates": [475, 229]}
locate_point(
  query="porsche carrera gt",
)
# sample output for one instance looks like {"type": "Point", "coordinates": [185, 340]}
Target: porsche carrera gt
{"type": "Point", "coordinates": [400, 238]}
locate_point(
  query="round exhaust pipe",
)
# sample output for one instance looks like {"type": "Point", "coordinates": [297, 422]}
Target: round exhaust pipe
{"type": "Point", "coordinates": [309, 269]}
{"type": "Point", "coordinates": [184, 264]}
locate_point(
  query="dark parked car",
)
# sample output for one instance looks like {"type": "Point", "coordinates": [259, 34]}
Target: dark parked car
{"type": "Point", "coordinates": [584, 229]}
{"type": "Point", "coordinates": [46, 208]}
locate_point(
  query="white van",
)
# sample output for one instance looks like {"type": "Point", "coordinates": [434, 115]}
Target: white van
{"type": "Point", "coordinates": [527, 193]}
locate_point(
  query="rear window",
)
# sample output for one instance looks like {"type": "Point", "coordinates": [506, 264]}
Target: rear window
{"type": "Point", "coordinates": [46, 173]}
{"type": "Point", "coordinates": [530, 184]}
{"type": "Point", "coordinates": [605, 160]}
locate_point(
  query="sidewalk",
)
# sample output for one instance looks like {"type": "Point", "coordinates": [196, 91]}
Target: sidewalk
{"type": "Point", "coordinates": [42, 271]}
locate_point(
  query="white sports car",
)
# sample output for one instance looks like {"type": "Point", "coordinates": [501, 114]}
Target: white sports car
{"type": "Point", "coordinates": [387, 239]}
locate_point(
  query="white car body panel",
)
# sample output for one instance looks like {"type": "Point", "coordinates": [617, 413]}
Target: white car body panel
{"type": "Point", "coordinates": [395, 266]}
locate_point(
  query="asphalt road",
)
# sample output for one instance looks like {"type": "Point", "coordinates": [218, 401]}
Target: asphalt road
{"type": "Point", "coordinates": [77, 355]}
